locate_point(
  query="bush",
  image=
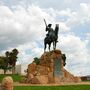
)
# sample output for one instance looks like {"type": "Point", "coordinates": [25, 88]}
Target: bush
{"type": "Point", "coordinates": [36, 60]}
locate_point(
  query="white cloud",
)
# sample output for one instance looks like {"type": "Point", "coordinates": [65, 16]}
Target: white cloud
{"type": "Point", "coordinates": [81, 16]}
{"type": "Point", "coordinates": [27, 53]}
{"type": "Point", "coordinates": [88, 36]}
{"type": "Point", "coordinates": [76, 53]}
{"type": "Point", "coordinates": [5, 11]}
{"type": "Point", "coordinates": [68, 1]}
{"type": "Point", "coordinates": [72, 18]}
{"type": "Point", "coordinates": [20, 26]}
{"type": "Point", "coordinates": [1, 3]}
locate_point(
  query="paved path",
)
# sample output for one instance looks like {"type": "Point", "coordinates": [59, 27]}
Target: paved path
{"type": "Point", "coordinates": [22, 84]}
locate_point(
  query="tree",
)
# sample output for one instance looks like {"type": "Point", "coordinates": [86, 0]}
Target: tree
{"type": "Point", "coordinates": [6, 60]}
{"type": "Point", "coordinates": [7, 53]}
{"type": "Point", "coordinates": [13, 59]}
{"type": "Point", "coordinates": [3, 64]}
{"type": "Point", "coordinates": [9, 60]}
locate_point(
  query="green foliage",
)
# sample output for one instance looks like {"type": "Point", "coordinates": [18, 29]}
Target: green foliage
{"type": "Point", "coordinates": [3, 63]}
{"type": "Point", "coordinates": [36, 60]}
{"type": "Point", "coordinates": [12, 57]}
{"type": "Point", "coordinates": [16, 77]}
{"type": "Point", "coordinates": [7, 53]}
{"type": "Point", "coordinates": [68, 87]}
{"type": "Point", "coordinates": [9, 60]}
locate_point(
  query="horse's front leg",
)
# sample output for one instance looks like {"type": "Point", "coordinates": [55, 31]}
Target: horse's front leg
{"type": "Point", "coordinates": [45, 46]}
{"type": "Point", "coordinates": [49, 46]}
{"type": "Point", "coordinates": [53, 45]}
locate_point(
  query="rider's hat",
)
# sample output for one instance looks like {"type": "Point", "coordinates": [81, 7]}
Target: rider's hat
{"type": "Point", "coordinates": [49, 25]}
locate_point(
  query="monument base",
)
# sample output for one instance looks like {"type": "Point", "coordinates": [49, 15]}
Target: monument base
{"type": "Point", "coordinates": [49, 70]}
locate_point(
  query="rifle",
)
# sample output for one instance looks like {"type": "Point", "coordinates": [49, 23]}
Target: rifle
{"type": "Point", "coordinates": [45, 22]}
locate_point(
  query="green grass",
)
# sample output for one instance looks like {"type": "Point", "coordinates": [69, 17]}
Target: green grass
{"type": "Point", "coordinates": [85, 80]}
{"type": "Point", "coordinates": [15, 77]}
{"type": "Point", "coordinates": [68, 87]}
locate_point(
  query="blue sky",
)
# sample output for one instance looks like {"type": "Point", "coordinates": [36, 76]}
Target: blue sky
{"type": "Point", "coordinates": [22, 27]}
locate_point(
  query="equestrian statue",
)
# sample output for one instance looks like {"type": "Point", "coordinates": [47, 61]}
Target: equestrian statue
{"type": "Point", "coordinates": [51, 36]}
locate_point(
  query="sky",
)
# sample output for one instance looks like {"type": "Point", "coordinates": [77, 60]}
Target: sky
{"type": "Point", "coordinates": [22, 27]}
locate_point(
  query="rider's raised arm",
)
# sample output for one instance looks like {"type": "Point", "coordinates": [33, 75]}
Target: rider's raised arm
{"type": "Point", "coordinates": [47, 28]}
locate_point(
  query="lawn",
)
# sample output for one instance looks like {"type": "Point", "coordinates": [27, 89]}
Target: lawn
{"type": "Point", "coordinates": [68, 87]}
{"type": "Point", "coordinates": [15, 77]}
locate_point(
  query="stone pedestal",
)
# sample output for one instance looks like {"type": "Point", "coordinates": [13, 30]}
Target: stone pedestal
{"type": "Point", "coordinates": [49, 70]}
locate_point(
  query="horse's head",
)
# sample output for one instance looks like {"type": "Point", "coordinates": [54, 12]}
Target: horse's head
{"type": "Point", "coordinates": [56, 29]}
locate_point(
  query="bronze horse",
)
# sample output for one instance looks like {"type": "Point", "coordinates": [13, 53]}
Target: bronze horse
{"type": "Point", "coordinates": [52, 39]}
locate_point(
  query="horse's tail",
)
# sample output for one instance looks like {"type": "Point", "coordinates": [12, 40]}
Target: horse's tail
{"type": "Point", "coordinates": [56, 30]}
